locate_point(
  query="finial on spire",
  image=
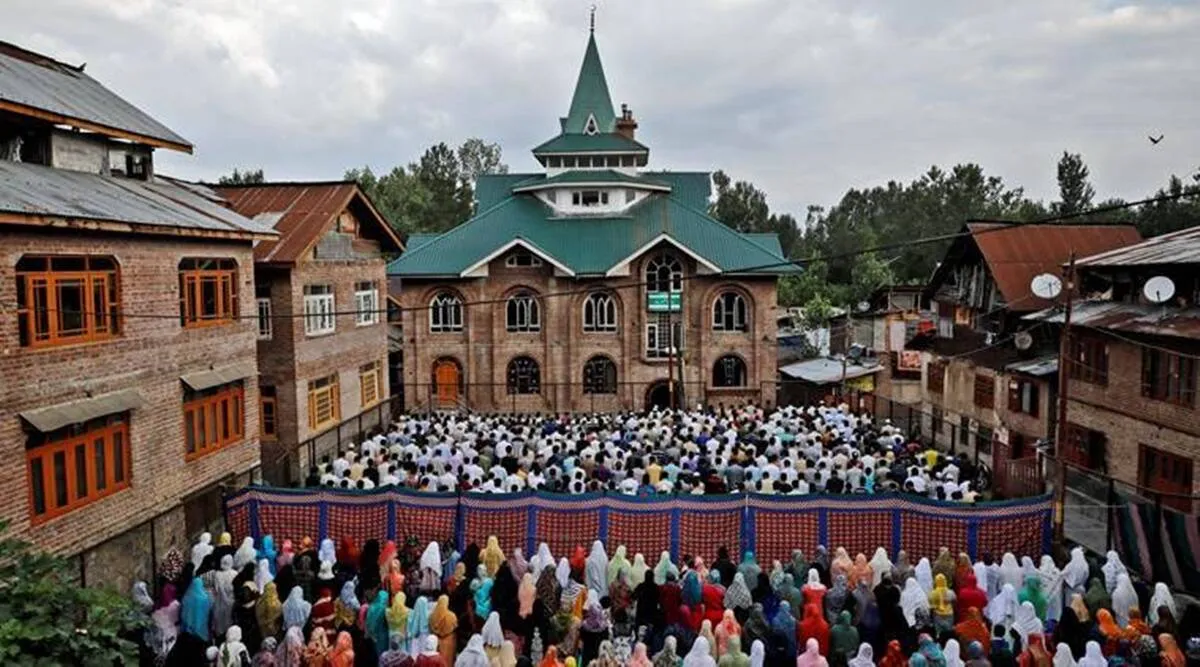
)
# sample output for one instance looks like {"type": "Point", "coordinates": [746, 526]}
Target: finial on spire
{"type": "Point", "coordinates": [592, 23]}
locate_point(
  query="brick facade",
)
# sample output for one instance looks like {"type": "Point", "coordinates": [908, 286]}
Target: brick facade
{"type": "Point", "coordinates": [561, 348]}
{"type": "Point", "coordinates": [151, 353]}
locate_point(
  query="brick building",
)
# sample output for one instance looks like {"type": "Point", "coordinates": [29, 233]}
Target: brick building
{"type": "Point", "coordinates": [1133, 364]}
{"type": "Point", "coordinates": [589, 285]}
{"type": "Point", "coordinates": [320, 295]}
{"type": "Point", "coordinates": [988, 376]}
{"type": "Point", "coordinates": [127, 338]}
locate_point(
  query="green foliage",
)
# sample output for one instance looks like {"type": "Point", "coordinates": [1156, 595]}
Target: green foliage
{"type": "Point", "coordinates": [46, 618]}
{"type": "Point", "coordinates": [248, 177]}
{"type": "Point", "coordinates": [1075, 192]}
{"type": "Point", "coordinates": [434, 193]}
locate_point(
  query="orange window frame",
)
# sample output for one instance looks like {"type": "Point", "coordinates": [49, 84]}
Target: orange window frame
{"type": "Point", "coordinates": [41, 293]}
{"type": "Point", "coordinates": [371, 373]}
{"type": "Point", "coordinates": [331, 393]}
{"type": "Point", "coordinates": [213, 420]}
{"type": "Point", "coordinates": [106, 445]}
{"type": "Point", "coordinates": [191, 296]}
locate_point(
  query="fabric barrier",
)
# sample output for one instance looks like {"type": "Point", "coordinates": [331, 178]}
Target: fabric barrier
{"type": "Point", "coordinates": [1158, 543]}
{"type": "Point", "coordinates": [771, 526]}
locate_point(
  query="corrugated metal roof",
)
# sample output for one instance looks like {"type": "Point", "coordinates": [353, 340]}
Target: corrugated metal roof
{"type": "Point", "coordinates": [36, 190]}
{"type": "Point", "coordinates": [590, 143]}
{"type": "Point", "coordinates": [39, 82]}
{"type": "Point", "coordinates": [1016, 254]}
{"type": "Point", "coordinates": [207, 379]}
{"type": "Point", "coordinates": [1128, 318]}
{"type": "Point", "coordinates": [54, 417]}
{"type": "Point", "coordinates": [1181, 247]}
{"type": "Point", "coordinates": [1036, 367]}
{"type": "Point", "coordinates": [826, 371]}
{"type": "Point", "coordinates": [301, 213]}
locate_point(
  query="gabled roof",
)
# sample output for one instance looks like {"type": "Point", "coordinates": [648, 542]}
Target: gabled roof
{"type": "Point", "coordinates": [589, 246]}
{"type": "Point", "coordinates": [301, 213]}
{"type": "Point", "coordinates": [33, 194]}
{"type": "Point", "coordinates": [589, 177]}
{"type": "Point", "coordinates": [1014, 254]}
{"type": "Point", "coordinates": [39, 86]}
{"type": "Point", "coordinates": [1180, 247]}
{"type": "Point", "coordinates": [566, 144]}
{"type": "Point", "coordinates": [591, 98]}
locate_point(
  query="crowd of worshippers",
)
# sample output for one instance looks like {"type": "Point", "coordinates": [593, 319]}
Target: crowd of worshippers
{"type": "Point", "coordinates": [790, 450]}
{"type": "Point", "coordinates": [381, 604]}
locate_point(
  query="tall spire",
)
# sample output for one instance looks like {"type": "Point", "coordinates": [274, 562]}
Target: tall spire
{"type": "Point", "coordinates": [592, 23]}
{"type": "Point", "coordinates": [591, 98]}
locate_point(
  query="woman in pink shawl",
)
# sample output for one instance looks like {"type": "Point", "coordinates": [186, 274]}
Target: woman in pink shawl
{"type": "Point", "coordinates": [841, 564]}
{"type": "Point", "coordinates": [526, 594]}
{"type": "Point", "coordinates": [728, 627]}
{"type": "Point", "coordinates": [860, 571]}
{"type": "Point", "coordinates": [639, 657]}
{"type": "Point", "coordinates": [811, 657]}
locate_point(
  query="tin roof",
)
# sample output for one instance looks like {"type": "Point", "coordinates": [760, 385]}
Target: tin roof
{"type": "Point", "coordinates": [54, 417]}
{"type": "Point", "coordinates": [1181, 247]}
{"type": "Point", "coordinates": [826, 371]}
{"type": "Point", "coordinates": [35, 85]}
{"type": "Point", "coordinates": [1016, 254]}
{"type": "Point", "coordinates": [300, 212]}
{"type": "Point", "coordinates": [1039, 367]}
{"type": "Point", "coordinates": [36, 194]}
{"type": "Point", "coordinates": [1128, 318]}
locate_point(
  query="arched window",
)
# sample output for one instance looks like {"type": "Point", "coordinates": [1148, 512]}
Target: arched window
{"type": "Point", "coordinates": [599, 376]}
{"type": "Point", "coordinates": [523, 313]}
{"type": "Point", "coordinates": [599, 313]}
{"type": "Point", "coordinates": [445, 313]}
{"type": "Point", "coordinates": [729, 371]}
{"type": "Point", "coordinates": [729, 312]}
{"type": "Point", "coordinates": [524, 376]}
{"type": "Point", "coordinates": [664, 273]}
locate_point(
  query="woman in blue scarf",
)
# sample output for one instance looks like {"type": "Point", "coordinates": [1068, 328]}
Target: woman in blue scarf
{"type": "Point", "coordinates": [268, 552]}
{"type": "Point", "coordinates": [783, 628]}
{"type": "Point", "coordinates": [193, 618]}
{"type": "Point", "coordinates": [749, 568]}
{"type": "Point", "coordinates": [377, 627]}
{"type": "Point", "coordinates": [483, 593]}
{"type": "Point", "coordinates": [418, 625]}
{"type": "Point", "coordinates": [691, 589]}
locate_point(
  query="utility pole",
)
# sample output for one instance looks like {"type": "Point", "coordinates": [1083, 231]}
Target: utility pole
{"type": "Point", "coordinates": [670, 353]}
{"type": "Point", "coordinates": [847, 337]}
{"type": "Point", "coordinates": [1064, 377]}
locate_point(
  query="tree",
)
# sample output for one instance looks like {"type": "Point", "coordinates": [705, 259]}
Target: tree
{"type": "Point", "coordinates": [46, 618]}
{"type": "Point", "coordinates": [248, 177]}
{"type": "Point", "coordinates": [1174, 214]}
{"type": "Point", "coordinates": [1074, 191]}
{"type": "Point", "coordinates": [740, 205]}
{"type": "Point", "coordinates": [477, 157]}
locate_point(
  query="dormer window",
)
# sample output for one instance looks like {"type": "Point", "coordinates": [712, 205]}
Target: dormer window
{"type": "Point", "coordinates": [589, 198]}
{"type": "Point", "coordinates": [591, 127]}
{"type": "Point", "coordinates": [522, 260]}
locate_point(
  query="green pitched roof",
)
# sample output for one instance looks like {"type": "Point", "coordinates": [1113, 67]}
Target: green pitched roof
{"type": "Point", "coordinates": [588, 245]}
{"type": "Point", "coordinates": [591, 96]}
{"type": "Point", "coordinates": [590, 143]}
{"type": "Point", "coordinates": [588, 176]}
{"type": "Point", "coordinates": [415, 241]}
{"type": "Point", "coordinates": [768, 240]}
{"type": "Point", "coordinates": [491, 189]}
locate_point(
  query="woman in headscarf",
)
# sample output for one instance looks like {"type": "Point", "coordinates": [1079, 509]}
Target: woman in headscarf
{"type": "Point", "coordinates": [418, 624]}
{"type": "Point", "coordinates": [894, 657]}
{"type": "Point", "coordinates": [814, 626]}
{"type": "Point", "coordinates": [813, 590]}
{"type": "Point", "coordinates": [1109, 631]}
{"type": "Point", "coordinates": [430, 570]}
{"type": "Point", "coordinates": [268, 551]}
{"type": "Point", "coordinates": [1076, 572]}
{"type": "Point", "coordinates": [492, 556]}
{"type": "Point", "coordinates": [738, 597]}
{"type": "Point", "coordinates": [619, 565]}
{"type": "Point", "coordinates": [222, 595]}
{"type": "Point", "coordinates": [397, 618]}
{"type": "Point", "coordinates": [1097, 597]}
{"type": "Point", "coordinates": [930, 651]}
{"type": "Point", "coordinates": [690, 590]}
{"type": "Point", "coordinates": [663, 568]}
{"type": "Point", "coordinates": [749, 567]}
{"type": "Point", "coordinates": [481, 588]}
{"type": "Point", "coordinates": [1052, 587]}
{"type": "Point", "coordinates": [1169, 652]}
{"type": "Point", "coordinates": [296, 610]}
{"type": "Point", "coordinates": [783, 629]}
{"type": "Point", "coordinates": [637, 571]}
{"type": "Point", "coordinates": [841, 563]}
{"type": "Point", "coordinates": [1035, 654]}
{"type": "Point", "coordinates": [811, 657]}
{"type": "Point", "coordinates": [727, 629]}
{"type": "Point", "coordinates": [443, 623]}
{"type": "Point", "coordinates": [902, 570]}
{"type": "Point", "coordinates": [973, 629]}
{"type": "Point", "coordinates": [1162, 598]}
{"type": "Point", "coordinates": [758, 654]}
{"type": "Point", "coordinates": [860, 571]}
{"type": "Point", "coordinates": [1145, 652]}
{"type": "Point", "coordinates": [640, 657]}
{"type": "Point", "coordinates": [429, 655]}
{"type": "Point", "coordinates": [316, 653]}
{"type": "Point", "coordinates": [944, 564]}
{"type": "Point", "coordinates": [837, 598]}
{"type": "Point", "coordinates": [843, 640]}
{"type": "Point", "coordinates": [1063, 656]}
{"type": "Point", "coordinates": [667, 657]}
{"type": "Point", "coordinates": [1011, 572]}
{"type": "Point", "coordinates": [1002, 609]}
{"type": "Point", "coordinates": [262, 575]}
{"type": "Point", "coordinates": [245, 553]}
{"type": "Point", "coordinates": [732, 656]}
{"type": "Point", "coordinates": [912, 599]}
{"type": "Point", "coordinates": [376, 628]}
{"type": "Point", "coordinates": [1093, 656]}
{"type": "Point", "coordinates": [1112, 569]}
{"type": "Point", "coordinates": [596, 569]}
{"type": "Point", "coordinates": [194, 615]}
{"type": "Point", "coordinates": [1081, 609]}
{"type": "Point", "coordinates": [1027, 622]}
{"type": "Point", "coordinates": [941, 603]}
{"type": "Point", "coordinates": [756, 626]}
{"type": "Point", "coordinates": [712, 597]}
{"type": "Point", "coordinates": [1070, 632]}
{"type": "Point", "coordinates": [291, 652]}
{"type": "Point", "coordinates": [880, 565]}
{"type": "Point", "coordinates": [1137, 626]}
{"type": "Point", "coordinates": [788, 591]}
{"type": "Point", "coordinates": [865, 657]}
{"type": "Point", "coordinates": [700, 655]}
{"type": "Point", "coordinates": [923, 573]}
{"type": "Point", "coordinates": [1124, 598]}
{"type": "Point", "coordinates": [976, 657]}
{"type": "Point", "coordinates": [493, 636]}
{"type": "Point", "coordinates": [541, 560]}
{"type": "Point", "coordinates": [517, 564]}
{"type": "Point", "coordinates": [345, 608]}
{"type": "Point", "coordinates": [1032, 593]}
{"type": "Point", "coordinates": [266, 654]}
{"type": "Point", "coordinates": [473, 655]}
{"type": "Point", "coordinates": [393, 581]}
{"type": "Point", "coordinates": [343, 651]}
{"type": "Point", "coordinates": [969, 594]}
{"type": "Point", "coordinates": [953, 653]}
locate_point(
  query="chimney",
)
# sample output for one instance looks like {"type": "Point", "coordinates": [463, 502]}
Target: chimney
{"type": "Point", "coordinates": [626, 125]}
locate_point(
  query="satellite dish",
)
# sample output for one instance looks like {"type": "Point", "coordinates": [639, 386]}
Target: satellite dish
{"type": "Point", "coordinates": [1023, 340]}
{"type": "Point", "coordinates": [863, 306]}
{"type": "Point", "coordinates": [1046, 286]}
{"type": "Point", "coordinates": [1159, 289]}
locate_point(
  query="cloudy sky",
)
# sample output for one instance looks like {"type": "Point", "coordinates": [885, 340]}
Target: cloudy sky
{"type": "Point", "coordinates": [805, 98]}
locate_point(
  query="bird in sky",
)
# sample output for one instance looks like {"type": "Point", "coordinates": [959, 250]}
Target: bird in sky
{"type": "Point", "coordinates": [1155, 140]}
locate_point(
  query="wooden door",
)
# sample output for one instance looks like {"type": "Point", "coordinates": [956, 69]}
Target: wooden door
{"type": "Point", "coordinates": [445, 374]}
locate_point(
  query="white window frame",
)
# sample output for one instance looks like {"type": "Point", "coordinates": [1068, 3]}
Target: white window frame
{"type": "Point", "coordinates": [366, 302]}
{"type": "Point", "coordinates": [445, 306]}
{"type": "Point", "coordinates": [522, 260]}
{"type": "Point", "coordinates": [603, 310]}
{"type": "Point", "coordinates": [319, 310]}
{"type": "Point", "coordinates": [655, 323]}
{"type": "Point", "coordinates": [522, 313]}
{"type": "Point", "coordinates": [719, 314]}
{"type": "Point", "coordinates": [265, 329]}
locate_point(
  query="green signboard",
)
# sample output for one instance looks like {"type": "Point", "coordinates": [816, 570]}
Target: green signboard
{"type": "Point", "coordinates": [662, 302]}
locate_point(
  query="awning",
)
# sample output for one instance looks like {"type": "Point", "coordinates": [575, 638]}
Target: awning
{"type": "Point", "coordinates": [57, 416]}
{"type": "Point", "coordinates": [1036, 367]}
{"type": "Point", "coordinates": [827, 371]}
{"type": "Point", "coordinates": [215, 377]}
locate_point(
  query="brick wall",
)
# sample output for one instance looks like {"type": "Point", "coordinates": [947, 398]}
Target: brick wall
{"type": "Point", "coordinates": [150, 356]}
{"type": "Point", "coordinates": [292, 358]}
{"type": "Point", "coordinates": [561, 348]}
{"type": "Point", "coordinates": [1127, 418]}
